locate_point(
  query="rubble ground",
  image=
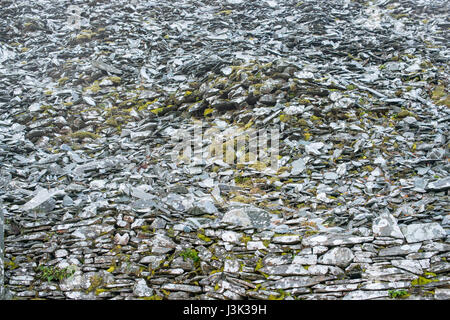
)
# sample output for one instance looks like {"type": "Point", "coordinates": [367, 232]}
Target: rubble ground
{"type": "Point", "coordinates": [99, 203]}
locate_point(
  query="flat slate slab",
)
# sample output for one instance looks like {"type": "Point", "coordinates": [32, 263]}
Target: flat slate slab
{"type": "Point", "coordinates": [419, 232]}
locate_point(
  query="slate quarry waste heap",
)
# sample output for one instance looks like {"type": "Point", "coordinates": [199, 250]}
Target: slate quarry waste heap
{"type": "Point", "coordinates": [95, 206]}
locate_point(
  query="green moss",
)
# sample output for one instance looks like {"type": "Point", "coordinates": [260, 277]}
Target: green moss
{"type": "Point", "coordinates": [94, 87]}
{"type": "Point", "coordinates": [420, 281]}
{"type": "Point", "coordinates": [166, 293]}
{"type": "Point", "coordinates": [11, 265]}
{"type": "Point", "coordinates": [111, 121]}
{"type": "Point", "coordinates": [157, 111]}
{"type": "Point", "coordinates": [310, 232]}
{"type": "Point", "coordinates": [403, 114]}
{"type": "Point", "coordinates": [429, 274]}
{"type": "Point", "coordinates": [96, 281]}
{"type": "Point", "coordinates": [257, 287]}
{"type": "Point", "coordinates": [440, 96]}
{"type": "Point", "coordinates": [63, 80]}
{"type": "Point", "coordinates": [284, 117]}
{"type": "Point", "coordinates": [282, 295]}
{"type": "Point", "coordinates": [303, 123]}
{"type": "Point", "coordinates": [246, 239]}
{"type": "Point", "coordinates": [259, 264]}
{"type": "Point", "coordinates": [208, 111]}
{"type": "Point", "coordinates": [216, 271]}
{"type": "Point", "coordinates": [445, 102]}
{"type": "Point", "coordinates": [226, 12]}
{"type": "Point", "coordinates": [99, 291]}
{"type": "Point", "coordinates": [242, 199]}
{"type": "Point", "coordinates": [115, 80]}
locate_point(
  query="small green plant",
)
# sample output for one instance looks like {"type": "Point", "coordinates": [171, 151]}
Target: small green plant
{"type": "Point", "coordinates": [55, 273]}
{"type": "Point", "coordinates": [191, 254]}
{"type": "Point", "coordinates": [397, 293]}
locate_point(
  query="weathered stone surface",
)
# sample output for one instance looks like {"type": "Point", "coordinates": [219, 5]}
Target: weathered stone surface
{"type": "Point", "coordinates": [141, 289]}
{"type": "Point", "coordinates": [423, 231]}
{"type": "Point", "coordinates": [408, 265]}
{"type": "Point", "coordinates": [285, 270]}
{"type": "Point", "coordinates": [181, 287]}
{"type": "Point", "coordinates": [232, 266]}
{"type": "Point", "coordinates": [296, 282]}
{"type": "Point", "coordinates": [309, 259]}
{"type": "Point", "coordinates": [319, 270]}
{"type": "Point", "coordinates": [440, 268]}
{"type": "Point", "coordinates": [439, 185]}
{"type": "Point", "coordinates": [333, 240]}
{"type": "Point", "coordinates": [366, 295]}
{"type": "Point", "coordinates": [162, 244]}
{"type": "Point", "coordinates": [400, 250]}
{"type": "Point", "coordinates": [384, 272]}
{"type": "Point", "coordinates": [442, 294]}
{"type": "Point", "coordinates": [248, 216]}
{"type": "Point", "coordinates": [347, 198]}
{"type": "Point", "coordinates": [204, 207]}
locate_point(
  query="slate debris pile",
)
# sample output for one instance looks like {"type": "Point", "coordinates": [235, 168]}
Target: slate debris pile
{"type": "Point", "coordinates": [95, 206]}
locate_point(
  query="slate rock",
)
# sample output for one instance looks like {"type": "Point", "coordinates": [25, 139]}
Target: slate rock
{"type": "Point", "coordinates": [248, 216]}
{"type": "Point", "coordinates": [296, 282]}
{"type": "Point", "coordinates": [408, 265]}
{"type": "Point", "coordinates": [162, 244]}
{"type": "Point", "coordinates": [329, 239]}
{"type": "Point", "coordinates": [400, 250]}
{"type": "Point", "coordinates": [419, 232]}
{"type": "Point", "coordinates": [141, 289]}
{"type": "Point", "coordinates": [340, 257]}
{"type": "Point", "coordinates": [439, 185]}
{"type": "Point", "coordinates": [385, 225]}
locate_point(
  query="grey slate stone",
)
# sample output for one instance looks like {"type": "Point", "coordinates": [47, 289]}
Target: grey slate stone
{"type": "Point", "coordinates": [400, 250]}
{"type": "Point", "coordinates": [333, 240]}
{"type": "Point", "coordinates": [385, 225]}
{"type": "Point", "coordinates": [340, 257]}
{"type": "Point", "coordinates": [419, 232]}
